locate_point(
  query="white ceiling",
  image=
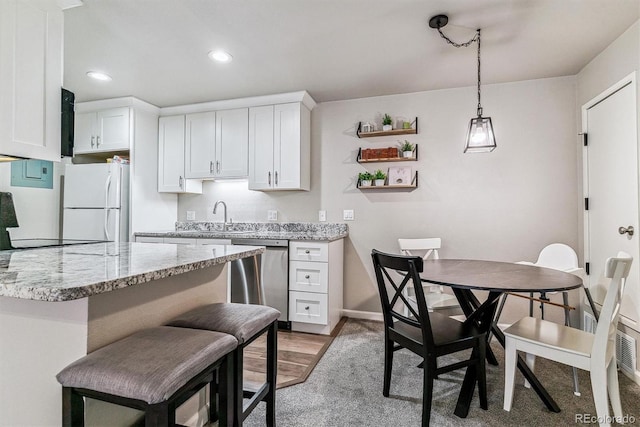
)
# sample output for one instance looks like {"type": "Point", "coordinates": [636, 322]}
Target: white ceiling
{"type": "Point", "coordinates": [157, 50]}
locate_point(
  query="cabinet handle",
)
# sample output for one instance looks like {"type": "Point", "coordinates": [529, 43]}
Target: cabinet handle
{"type": "Point", "coordinates": [98, 141]}
{"type": "Point", "coordinates": [306, 308]}
{"type": "Point", "coordinates": [307, 276]}
{"type": "Point", "coordinates": [218, 165]}
{"type": "Point", "coordinates": [180, 182]}
{"type": "Point", "coordinates": [307, 251]}
{"type": "Point", "coordinates": [276, 178]}
{"type": "Point", "coordinates": [211, 166]}
{"type": "Point", "coordinates": [269, 177]}
{"type": "Point", "coordinates": [93, 138]}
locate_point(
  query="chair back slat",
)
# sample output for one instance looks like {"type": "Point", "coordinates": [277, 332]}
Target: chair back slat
{"type": "Point", "coordinates": [407, 269]}
{"type": "Point", "coordinates": [558, 256]}
{"type": "Point", "coordinates": [617, 269]}
{"type": "Point", "coordinates": [421, 247]}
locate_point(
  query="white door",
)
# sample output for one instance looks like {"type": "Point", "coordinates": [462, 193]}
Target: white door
{"type": "Point", "coordinates": [91, 224]}
{"type": "Point", "coordinates": [232, 143]}
{"type": "Point", "coordinates": [93, 185]}
{"type": "Point", "coordinates": [200, 142]}
{"type": "Point", "coordinates": [611, 185]}
{"type": "Point", "coordinates": [287, 146]}
{"type": "Point", "coordinates": [261, 175]}
{"type": "Point", "coordinates": [171, 154]}
{"type": "Point", "coordinates": [84, 134]}
{"type": "Point", "coordinates": [113, 129]}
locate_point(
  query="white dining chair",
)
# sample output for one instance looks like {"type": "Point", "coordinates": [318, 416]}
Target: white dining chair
{"type": "Point", "coordinates": [437, 299]}
{"type": "Point", "coordinates": [559, 257]}
{"type": "Point", "coordinates": [595, 353]}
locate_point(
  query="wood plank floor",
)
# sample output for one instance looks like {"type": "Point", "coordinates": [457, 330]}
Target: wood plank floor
{"type": "Point", "coordinates": [298, 354]}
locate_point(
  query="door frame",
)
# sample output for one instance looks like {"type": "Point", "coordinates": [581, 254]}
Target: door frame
{"type": "Point", "coordinates": [628, 80]}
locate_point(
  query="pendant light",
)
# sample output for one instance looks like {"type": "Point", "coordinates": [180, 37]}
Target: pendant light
{"type": "Point", "coordinates": [480, 136]}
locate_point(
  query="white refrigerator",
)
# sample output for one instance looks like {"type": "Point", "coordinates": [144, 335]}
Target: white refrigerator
{"type": "Point", "coordinates": [96, 202]}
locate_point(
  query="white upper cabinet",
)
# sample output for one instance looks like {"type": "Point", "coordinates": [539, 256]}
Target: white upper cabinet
{"type": "Point", "coordinates": [279, 147]}
{"type": "Point", "coordinates": [31, 35]}
{"type": "Point", "coordinates": [200, 139]}
{"type": "Point", "coordinates": [232, 143]}
{"type": "Point", "coordinates": [171, 157]}
{"type": "Point", "coordinates": [217, 144]}
{"type": "Point", "coordinates": [102, 131]}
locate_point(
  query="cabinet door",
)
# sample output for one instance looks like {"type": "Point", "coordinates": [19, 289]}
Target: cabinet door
{"type": "Point", "coordinates": [200, 145]}
{"type": "Point", "coordinates": [84, 138]}
{"type": "Point", "coordinates": [291, 150]}
{"type": "Point", "coordinates": [30, 78]}
{"type": "Point", "coordinates": [232, 143]}
{"type": "Point", "coordinates": [261, 148]}
{"type": "Point", "coordinates": [113, 132]}
{"type": "Point", "coordinates": [171, 154]}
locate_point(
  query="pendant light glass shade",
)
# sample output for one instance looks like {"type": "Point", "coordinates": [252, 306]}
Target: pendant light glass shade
{"type": "Point", "coordinates": [480, 137]}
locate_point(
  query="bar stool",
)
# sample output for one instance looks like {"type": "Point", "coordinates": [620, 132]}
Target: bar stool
{"type": "Point", "coordinates": [246, 322]}
{"type": "Point", "coordinates": [154, 370]}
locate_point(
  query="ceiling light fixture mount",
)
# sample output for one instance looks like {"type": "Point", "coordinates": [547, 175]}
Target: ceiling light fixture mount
{"type": "Point", "coordinates": [220, 56]}
{"type": "Point", "coordinates": [480, 136]}
{"type": "Point", "coordinates": [97, 75]}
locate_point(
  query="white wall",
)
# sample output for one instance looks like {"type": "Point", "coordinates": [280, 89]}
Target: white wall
{"type": "Point", "coordinates": [505, 205]}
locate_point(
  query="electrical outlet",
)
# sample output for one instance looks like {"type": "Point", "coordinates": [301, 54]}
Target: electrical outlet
{"type": "Point", "coordinates": [191, 215]}
{"type": "Point", "coordinates": [348, 215]}
{"type": "Point", "coordinates": [272, 215]}
{"type": "Point", "coordinates": [322, 216]}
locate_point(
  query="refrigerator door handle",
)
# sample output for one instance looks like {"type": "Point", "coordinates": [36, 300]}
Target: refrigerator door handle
{"type": "Point", "coordinates": [107, 186]}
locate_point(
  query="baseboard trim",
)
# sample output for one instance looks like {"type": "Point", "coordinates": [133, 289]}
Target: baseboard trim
{"type": "Point", "coordinates": [364, 315]}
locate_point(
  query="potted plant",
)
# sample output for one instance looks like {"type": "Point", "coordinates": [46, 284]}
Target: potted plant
{"type": "Point", "coordinates": [386, 122]}
{"type": "Point", "coordinates": [365, 179]}
{"type": "Point", "coordinates": [379, 178]}
{"type": "Point", "coordinates": [407, 149]}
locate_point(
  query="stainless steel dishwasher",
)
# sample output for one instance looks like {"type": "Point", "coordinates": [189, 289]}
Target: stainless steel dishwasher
{"type": "Point", "coordinates": [263, 279]}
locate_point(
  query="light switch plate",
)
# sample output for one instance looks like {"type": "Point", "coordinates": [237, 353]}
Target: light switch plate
{"type": "Point", "coordinates": [348, 215]}
{"type": "Point", "coordinates": [272, 215]}
{"type": "Point", "coordinates": [322, 216]}
{"type": "Point", "coordinates": [191, 215]}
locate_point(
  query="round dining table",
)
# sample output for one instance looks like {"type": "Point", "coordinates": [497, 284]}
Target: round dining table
{"type": "Point", "coordinates": [465, 276]}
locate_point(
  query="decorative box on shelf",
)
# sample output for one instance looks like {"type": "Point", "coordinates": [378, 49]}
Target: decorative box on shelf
{"type": "Point", "coordinates": [395, 175]}
{"type": "Point", "coordinates": [411, 131]}
{"type": "Point", "coordinates": [391, 154]}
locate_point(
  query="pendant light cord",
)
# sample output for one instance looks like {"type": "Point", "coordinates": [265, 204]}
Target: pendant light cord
{"type": "Point", "coordinates": [475, 38]}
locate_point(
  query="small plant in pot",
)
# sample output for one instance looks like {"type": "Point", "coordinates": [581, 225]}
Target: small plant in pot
{"type": "Point", "coordinates": [407, 149]}
{"type": "Point", "coordinates": [365, 179]}
{"type": "Point", "coordinates": [379, 177]}
{"type": "Point", "coordinates": [386, 122]}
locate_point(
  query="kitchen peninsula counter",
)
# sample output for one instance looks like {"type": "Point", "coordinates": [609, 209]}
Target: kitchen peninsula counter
{"type": "Point", "coordinates": [71, 272]}
{"type": "Point", "coordinates": [59, 304]}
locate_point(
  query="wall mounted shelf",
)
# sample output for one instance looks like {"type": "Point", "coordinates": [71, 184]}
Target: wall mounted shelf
{"type": "Point", "coordinates": [413, 158]}
{"type": "Point", "coordinates": [412, 131]}
{"type": "Point", "coordinates": [412, 186]}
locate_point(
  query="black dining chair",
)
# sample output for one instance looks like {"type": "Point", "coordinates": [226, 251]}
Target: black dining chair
{"type": "Point", "coordinates": [429, 335]}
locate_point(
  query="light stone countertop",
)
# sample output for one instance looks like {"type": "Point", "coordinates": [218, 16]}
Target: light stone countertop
{"type": "Point", "coordinates": [78, 271]}
{"type": "Point", "coordinates": [255, 230]}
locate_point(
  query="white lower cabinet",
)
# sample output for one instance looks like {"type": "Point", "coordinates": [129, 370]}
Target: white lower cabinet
{"type": "Point", "coordinates": [315, 285]}
{"type": "Point", "coordinates": [182, 240]}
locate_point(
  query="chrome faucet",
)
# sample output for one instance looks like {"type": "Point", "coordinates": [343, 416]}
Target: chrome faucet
{"type": "Point", "coordinates": [215, 207]}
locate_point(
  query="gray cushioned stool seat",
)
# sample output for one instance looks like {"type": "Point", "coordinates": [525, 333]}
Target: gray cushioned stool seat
{"type": "Point", "coordinates": [150, 365]}
{"type": "Point", "coordinates": [243, 321]}
{"type": "Point", "coordinates": [246, 322]}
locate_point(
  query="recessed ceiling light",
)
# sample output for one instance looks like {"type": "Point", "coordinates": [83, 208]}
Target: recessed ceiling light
{"type": "Point", "coordinates": [220, 56]}
{"type": "Point", "coordinates": [99, 76]}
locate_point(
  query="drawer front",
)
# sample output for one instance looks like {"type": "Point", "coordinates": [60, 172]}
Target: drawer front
{"type": "Point", "coordinates": [308, 276]}
{"type": "Point", "coordinates": [307, 307]}
{"type": "Point", "coordinates": [180, 240]}
{"type": "Point", "coordinates": [149, 239]}
{"type": "Point", "coordinates": [309, 251]}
